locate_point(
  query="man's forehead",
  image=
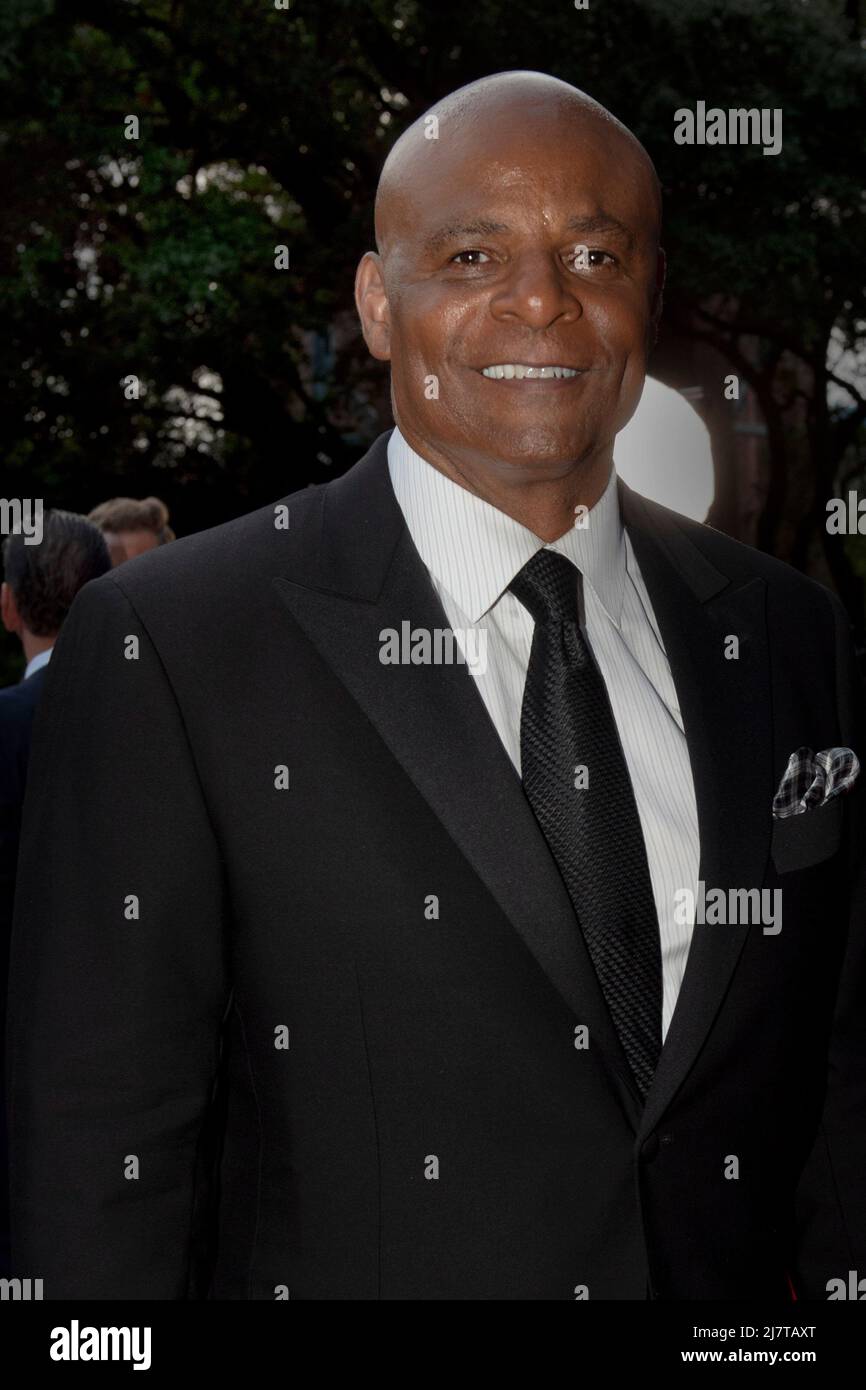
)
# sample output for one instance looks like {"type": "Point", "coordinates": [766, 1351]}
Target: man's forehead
{"type": "Point", "coordinates": [537, 161]}
{"type": "Point", "coordinates": [553, 155]}
{"type": "Point", "coordinates": [590, 196]}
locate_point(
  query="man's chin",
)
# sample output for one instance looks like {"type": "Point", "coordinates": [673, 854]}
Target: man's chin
{"type": "Point", "coordinates": [538, 449]}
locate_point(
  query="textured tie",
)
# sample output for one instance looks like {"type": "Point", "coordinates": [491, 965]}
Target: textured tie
{"type": "Point", "coordinates": [593, 830]}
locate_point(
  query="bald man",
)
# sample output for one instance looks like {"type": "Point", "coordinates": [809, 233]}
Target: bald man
{"type": "Point", "coordinates": [483, 925]}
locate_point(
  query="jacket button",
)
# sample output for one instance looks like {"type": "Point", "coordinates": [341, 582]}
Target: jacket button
{"type": "Point", "coordinates": [649, 1148]}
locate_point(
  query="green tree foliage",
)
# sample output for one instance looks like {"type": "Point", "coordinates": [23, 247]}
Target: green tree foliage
{"type": "Point", "coordinates": [262, 126]}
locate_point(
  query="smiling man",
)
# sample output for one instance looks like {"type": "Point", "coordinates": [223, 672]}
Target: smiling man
{"type": "Point", "coordinates": [383, 989]}
{"type": "Point", "coordinates": [528, 292]}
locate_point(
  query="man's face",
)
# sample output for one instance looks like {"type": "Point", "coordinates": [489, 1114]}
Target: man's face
{"type": "Point", "coordinates": [487, 270]}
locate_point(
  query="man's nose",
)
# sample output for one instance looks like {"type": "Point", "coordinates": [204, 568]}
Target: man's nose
{"type": "Point", "coordinates": [537, 292]}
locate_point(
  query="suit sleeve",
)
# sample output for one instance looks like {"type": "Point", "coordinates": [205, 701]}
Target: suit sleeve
{"type": "Point", "coordinates": [118, 973]}
{"type": "Point", "coordinates": [831, 1201]}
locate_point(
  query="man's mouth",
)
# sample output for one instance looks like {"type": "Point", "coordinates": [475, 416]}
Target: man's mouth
{"type": "Point", "coordinates": [522, 371]}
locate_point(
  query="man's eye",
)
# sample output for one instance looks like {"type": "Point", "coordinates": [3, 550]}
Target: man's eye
{"type": "Point", "coordinates": [472, 252]}
{"type": "Point", "coordinates": [585, 258]}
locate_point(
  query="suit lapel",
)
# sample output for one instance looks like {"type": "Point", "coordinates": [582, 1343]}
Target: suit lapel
{"type": "Point", "coordinates": [364, 575]}
{"type": "Point", "coordinates": [725, 705]}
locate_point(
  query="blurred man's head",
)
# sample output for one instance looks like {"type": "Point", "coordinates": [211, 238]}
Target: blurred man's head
{"type": "Point", "coordinates": [132, 525]}
{"type": "Point", "coordinates": [40, 581]}
{"type": "Point", "coordinates": [526, 234]}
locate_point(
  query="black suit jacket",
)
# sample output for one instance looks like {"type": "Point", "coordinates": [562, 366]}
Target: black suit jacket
{"type": "Point", "coordinates": [430, 1130]}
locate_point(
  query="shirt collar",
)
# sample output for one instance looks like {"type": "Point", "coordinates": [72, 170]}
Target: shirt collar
{"type": "Point", "coordinates": [474, 550]}
{"type": "Point", "coordinates": [37, 662]}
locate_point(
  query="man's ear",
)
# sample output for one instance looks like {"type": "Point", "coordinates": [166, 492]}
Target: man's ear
{"type": "Point", "coordinates": [658, 296]}
{"type": "Point", "coordinates": [9, 609]}
{"type": "Point", "coordinates": [371, 302]}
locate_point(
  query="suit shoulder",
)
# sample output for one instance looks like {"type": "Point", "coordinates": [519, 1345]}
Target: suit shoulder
{"type": "Point", "coordinates": [18, 706]}
{"type": "Point", "coordinates": [741, 562]}
{"type": "Point", "coordinates": [211, 565]}
{"type": "Point", "coordinates": [17, 702]}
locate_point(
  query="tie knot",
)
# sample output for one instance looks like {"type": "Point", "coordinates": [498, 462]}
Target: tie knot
{"type": "Point", "coordinates": [548, 586]}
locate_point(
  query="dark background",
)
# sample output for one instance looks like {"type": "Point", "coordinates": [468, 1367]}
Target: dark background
{"type": "Point", "coordinates": [260, 127]}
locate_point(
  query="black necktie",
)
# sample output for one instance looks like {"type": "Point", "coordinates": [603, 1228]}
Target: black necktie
{"type": "Point", "coordinates": [593, 830]}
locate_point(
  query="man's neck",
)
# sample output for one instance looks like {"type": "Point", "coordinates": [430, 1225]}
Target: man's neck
{"type": "Point", "coordinates": [545, 501]}
{"type": "Point", "coordinates": [34, 645]}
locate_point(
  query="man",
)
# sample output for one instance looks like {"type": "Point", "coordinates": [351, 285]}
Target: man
{"type": "Point", "coordinates": [374, 983]}
{"type": "Point", "coordinates": [132, 526]}
{"type": "Point", "coordinates": [36, 594]}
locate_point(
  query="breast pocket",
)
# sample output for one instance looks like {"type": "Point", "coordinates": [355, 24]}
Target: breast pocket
{"type": "Point", "coordinates": [808, 838]}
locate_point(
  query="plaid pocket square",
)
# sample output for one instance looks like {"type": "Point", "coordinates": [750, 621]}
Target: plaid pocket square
{"type": "Point", "coordinates": [811, 779]}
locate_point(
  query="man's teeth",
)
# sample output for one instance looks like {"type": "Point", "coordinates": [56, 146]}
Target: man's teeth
{"type": "Point", "coordinates": [508, 370]}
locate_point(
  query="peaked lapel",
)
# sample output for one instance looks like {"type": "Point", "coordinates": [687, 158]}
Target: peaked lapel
{"type": "Point", "coordinates": [355, 573]}
{"type": "Point", "coordinates": [726, 710]}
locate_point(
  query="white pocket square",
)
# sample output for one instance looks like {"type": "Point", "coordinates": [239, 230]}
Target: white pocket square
{"type": "Point", "coordinates": [811, 779]}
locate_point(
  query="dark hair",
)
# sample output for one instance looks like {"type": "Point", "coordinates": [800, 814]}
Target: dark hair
{"type": "Point", "coordinates": [134, 514]}
{"type": "Point", "coordinates": [46, 577]}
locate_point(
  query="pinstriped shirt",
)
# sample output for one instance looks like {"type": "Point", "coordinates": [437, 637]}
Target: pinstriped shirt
{"type": "Point", "coordinates": [472, 552]}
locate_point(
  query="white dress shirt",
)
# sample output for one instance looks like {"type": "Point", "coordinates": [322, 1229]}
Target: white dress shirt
{"type": "Point", "coordinates": [472, 552]}
{"type": "Point", "coordinates": [37, 662]}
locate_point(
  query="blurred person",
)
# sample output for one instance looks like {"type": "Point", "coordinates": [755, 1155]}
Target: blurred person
{"type": "Point", "coordinates": [132, 526]}
{"type": "Point", "coordinates": [40, 582]}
